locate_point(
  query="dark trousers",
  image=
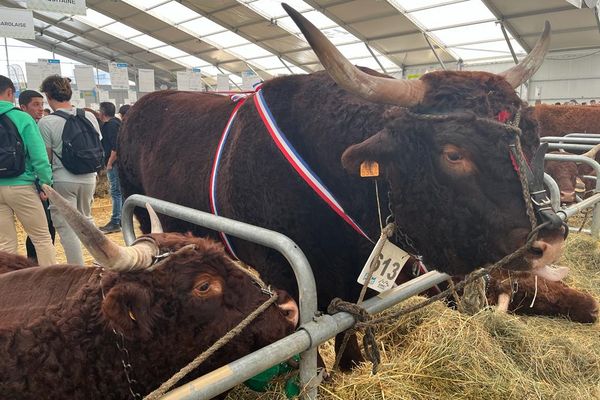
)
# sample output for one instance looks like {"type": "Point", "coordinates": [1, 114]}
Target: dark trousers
{"type": "Point", "coordinates": [31, 254]}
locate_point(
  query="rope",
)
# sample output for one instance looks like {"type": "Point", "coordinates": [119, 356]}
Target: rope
{"type": "Point", "coordinates": [367, 322]}
{"type": "Point", "coordinates": [359, 313]}
{"type": "Point", "coordinates": [211, 350]}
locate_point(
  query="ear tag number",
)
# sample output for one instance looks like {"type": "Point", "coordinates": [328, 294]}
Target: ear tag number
{"type": "Point", "coordinates": [369, 169]}
{"type": "Point", "coordinates": [388, 265]}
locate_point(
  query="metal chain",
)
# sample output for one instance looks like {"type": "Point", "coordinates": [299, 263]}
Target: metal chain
{"type": "Point", "coordinates": [120, 343]}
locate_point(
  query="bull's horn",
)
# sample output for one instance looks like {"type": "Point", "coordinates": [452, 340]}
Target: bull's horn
{"type": "Point", "coordinates": [521, 72]}
{"type": "Point", "coordinates": [377, 89]}
{"type": "Point", "coordinates": [155, 225]}
{"type": "Point", "coordinates": [107, 253]}
{"type": "Point", "coordinates": [592, 152]}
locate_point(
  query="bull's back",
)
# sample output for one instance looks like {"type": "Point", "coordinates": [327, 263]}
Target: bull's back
{"type": "Point", "coordinates": [555, 120]}
{"type": "Point", "coordinates": [171, 136]}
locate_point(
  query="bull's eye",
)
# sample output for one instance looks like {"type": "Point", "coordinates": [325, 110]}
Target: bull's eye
{"type": "Point", "coordinates": [453, 156]}
{"type": "Point", "coordinates": [202, 288]}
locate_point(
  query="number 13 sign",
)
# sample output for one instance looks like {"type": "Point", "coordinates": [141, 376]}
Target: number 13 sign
{"type": "Point", "coordinates": [388, 265]}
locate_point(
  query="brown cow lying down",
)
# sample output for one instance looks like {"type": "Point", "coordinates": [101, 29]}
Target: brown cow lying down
{"type": "Point", "coordinates": [514, 291]}
{"type": "Point", "coordinates": [56, 323]}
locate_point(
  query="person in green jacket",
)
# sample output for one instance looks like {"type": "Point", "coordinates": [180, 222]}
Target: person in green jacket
{"type": "Point", "coordinates": [18, 195]}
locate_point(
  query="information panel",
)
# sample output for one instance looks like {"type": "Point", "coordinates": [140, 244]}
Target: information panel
{"type": "Point", "coordinates": [84, 76]}
{"type": "Point", "coordinates": [71, 7]}
{"type": "Point", "coordinates": [15, 23]}
{"type": "Point", "coordinates": [119, 78]}
{"type": "Point", "coordinates": [146, 80]}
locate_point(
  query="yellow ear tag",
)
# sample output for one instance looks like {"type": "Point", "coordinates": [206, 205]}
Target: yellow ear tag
{"type": "Point", "coordinates": [369, 169]}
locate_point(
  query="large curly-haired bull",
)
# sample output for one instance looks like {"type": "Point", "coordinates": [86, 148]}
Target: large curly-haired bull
{"type": "Point", "coordinates": [453, 189]}
{"type": "Point", "coordinates": [56, 323]}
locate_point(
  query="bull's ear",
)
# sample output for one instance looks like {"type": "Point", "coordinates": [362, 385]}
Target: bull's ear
{"type": "Point", "coordinates": [128, 308]}
{"type": "Point", "coordinates": [378, 148]}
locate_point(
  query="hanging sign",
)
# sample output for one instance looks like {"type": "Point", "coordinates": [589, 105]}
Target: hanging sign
{"type": "Point", "coordinates": [71, 7]}
{"type": "Point", "coordinates": [84, 77]}
{"type": "Point", "coordinates": [222, 82]}
{"type": "Point", "coordinates": [15, 23]}
{"type": "Point", "coordinates": [388, 265]}
{"type": "Point", "coordinates": [131, 96]}
{"type": "Point", "coordinates": [119, 78]}
{"type": "Point", "coordinates": [249, 79]}
{"type": "Point", "coordinates": [183, 80]}
{"type": "Point", "coordinates": [146, 80]}
{"type": "Point", "coordinates": [195, 79]}
{"type": "Point", "coordinates": [34, 75]}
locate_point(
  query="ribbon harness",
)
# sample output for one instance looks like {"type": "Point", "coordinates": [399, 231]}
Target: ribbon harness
{"type": "Point", "coordinates": [288, 151]}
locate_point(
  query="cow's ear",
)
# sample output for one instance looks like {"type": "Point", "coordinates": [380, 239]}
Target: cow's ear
{"type": "Point", "coordinates": [128, 308]}
{"type": "Point", "coordinates": [378, 148]}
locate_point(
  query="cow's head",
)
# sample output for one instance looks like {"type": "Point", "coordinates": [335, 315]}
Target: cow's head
{"type": "Point", "coordinates": [192, 296]}
{"type": "Point", "coordinates": [456, 192]}
{"type": "Point", "coordinates": [569, 176]}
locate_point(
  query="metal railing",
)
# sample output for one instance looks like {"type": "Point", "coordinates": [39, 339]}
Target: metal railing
{"type": "Point", "coordinates": [593, 201]}
{"type": "Point", "coordinates": [307, 290]}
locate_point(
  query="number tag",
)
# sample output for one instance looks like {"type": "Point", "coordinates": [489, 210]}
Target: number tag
{"type": "Point", "coordinates": [387, 267]}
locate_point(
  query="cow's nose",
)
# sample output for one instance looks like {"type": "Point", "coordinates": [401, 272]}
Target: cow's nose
{"type": "Point", "coordinates": [567, 196]}
{"type": "Point", "coordinates": [288, 307]}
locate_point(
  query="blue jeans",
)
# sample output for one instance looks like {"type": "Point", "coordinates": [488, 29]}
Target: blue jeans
{"type": "Point", "coordinates": [115, 194]}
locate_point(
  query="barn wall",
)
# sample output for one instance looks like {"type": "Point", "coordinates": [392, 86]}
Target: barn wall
{"type": "Point", "coordinates": [563, 76]}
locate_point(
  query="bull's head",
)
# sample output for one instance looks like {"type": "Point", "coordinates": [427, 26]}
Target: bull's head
{"type": "Point", "coordinates": [197, 285]}
{"type": "Point", "coordinates": [455, 189]}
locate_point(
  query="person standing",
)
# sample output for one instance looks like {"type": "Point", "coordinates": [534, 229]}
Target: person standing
{"type": "Point", "coordinates": [32, 103]}
{"type": "Point", "coordinates": [74, 179]}
{"type": "Point", "coordinates": [110, 130]}
{"type": "Point", "coordinates": [18, 174]}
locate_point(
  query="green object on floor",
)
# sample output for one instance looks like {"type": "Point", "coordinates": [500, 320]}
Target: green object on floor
{"type": "Point", "coordinates": [260, 382]}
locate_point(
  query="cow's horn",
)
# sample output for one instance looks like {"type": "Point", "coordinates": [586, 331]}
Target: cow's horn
{"type": "Point", "coordinates": [377, 89]}
{"type": "Point", "coordinates": [521, 72]}
{"type": "Point", "coordinates": [107, 253]}
{"type": "Point", "coordinates": [592, 152]}
{"type": "Point", "coordinates": [155, 225]}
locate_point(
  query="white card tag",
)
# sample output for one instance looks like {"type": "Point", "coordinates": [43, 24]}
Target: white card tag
{"type": "Point", "coordinates": [387, 267]}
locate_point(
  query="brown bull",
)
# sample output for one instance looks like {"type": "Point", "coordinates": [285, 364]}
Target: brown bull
{"type": "Point", "coordinates": [561, 120]}
{"type": "Point", "coordinates": [56, 323]}
{"type": "Point", "coordinates": [440, 141]}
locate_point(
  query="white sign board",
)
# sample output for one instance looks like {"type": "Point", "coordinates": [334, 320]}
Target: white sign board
{"type": "Point", "coordinates": [183, 80]}
{"type": "Point", "coordinates": [146, 80]}
{"type": "Point", "coordinates": [49, 66]}
{"type": "Point", "coordinates": [119, 78]}
{"type": "Point", "coordinates": [222, 82]}
{"type": "Point", "coordinates": [131, 96]}
{"type": "Point", "coordinates": [195, 79]}
{"type": "Point", "coordinates": [84, 77]}
{"type": "Point", "coordinates": [34, 76]}
{"type": "Point", "coordinates": [16, 23]}
{"type": "Point", "coordinates": [72, 7]}
{"type": "Point", "coordinates": [249, 79]}
{"type": "Point", "coordinates": [102, 95]}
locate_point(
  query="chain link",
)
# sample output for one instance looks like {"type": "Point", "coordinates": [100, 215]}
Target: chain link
{"type": "Point", "coordinates": [120, 343]}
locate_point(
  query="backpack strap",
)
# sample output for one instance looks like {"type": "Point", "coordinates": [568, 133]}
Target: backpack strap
{"type": "Point", "coordinates": [9, 110]}
{"type": "Point", "coordinates": [79, 112]}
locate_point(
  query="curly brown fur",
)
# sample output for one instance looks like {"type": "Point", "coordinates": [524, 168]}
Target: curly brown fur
{"type": "Point", "coordinates": [68, 350]}
{"type": "Point", "coordinates": [13, 262]}
{"type": "Point", "coordinates": [563, 119]}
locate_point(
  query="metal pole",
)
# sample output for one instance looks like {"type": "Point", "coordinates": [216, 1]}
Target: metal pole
{"type": "Point", "coordinates": [512, 51]}
{"type": "Point", "coordinates": [554, 191]}
{"type": "Point", "coordinates": [584, 135]}
{"type": "Point", "coordinates": [7, 63]}
{"type": "Point", "coordinates": [285, 65]}
{"type": "Point", "coordinates": [434, 52]}
{"type": "Point", "coordinates": [230, 80]}
{"type": "Point", "coordinates": [309, 335]}
{"type": "Point", "coordinates": [375, 57]}
{"type": "Point", "coordinates": [571, 139]}
{"type": "Point", "coordinates": [569, 146]}
{"type": "Point", "coordinates": [307, 289]}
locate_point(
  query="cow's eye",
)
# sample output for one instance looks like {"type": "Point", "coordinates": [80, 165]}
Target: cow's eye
{"type": "Point", "coordinates": [203, 287]}
{"type": "Point", "coordinates": [453, 156]}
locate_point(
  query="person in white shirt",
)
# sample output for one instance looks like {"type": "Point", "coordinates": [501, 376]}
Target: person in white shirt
{"type": "Point", "coordinates": [77, 189]}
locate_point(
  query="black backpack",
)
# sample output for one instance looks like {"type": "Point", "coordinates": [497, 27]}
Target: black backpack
{"type": "Point", "coordinates": [82, 151]}
{"type": "Point", "coordinates": [12, 150]}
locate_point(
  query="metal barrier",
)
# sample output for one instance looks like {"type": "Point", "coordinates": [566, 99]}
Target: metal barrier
{"type": "Point", "coordinates": [570, 146]}
{"type": "Point", "coordinates": [584, 135]}
{"type": "Point", "coordinates": [308, 336]}
{"type": "Point", "coordinates": [307, 290]}
{"type": "Point", "coordinates": [554, 191]}
{"type": "Point", "coordinates": [595, 203]}
{"type": "Point", "coordinates": [571, 139]}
